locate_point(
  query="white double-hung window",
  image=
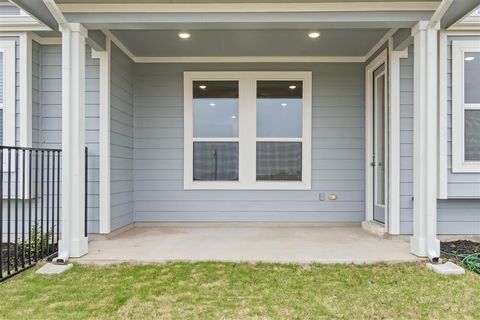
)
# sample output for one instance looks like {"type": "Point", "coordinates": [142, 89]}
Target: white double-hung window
{"type": "Point", "coordinates": [247, 130]}
{"type": "Point", "coordinates": [466, 105]}
{"type": "Point", "coordinates": [7, 92]}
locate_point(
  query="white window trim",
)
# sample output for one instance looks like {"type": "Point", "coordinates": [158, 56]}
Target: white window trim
{"type": "Point", "coordinates": [247, 131]}
{"type": "Point", "coordinates": [7, 47]}
{"type": "Point", "coordinates": [459, 47]}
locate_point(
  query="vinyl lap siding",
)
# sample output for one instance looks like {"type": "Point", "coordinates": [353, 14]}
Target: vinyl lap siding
{"type": "Point", "coordinates": [51, 116]}
{"type": "Point", "coordinates": [406, 143]}
{"type": "Point", "coordinates": [337, 151]}
{"type": "Point", "coordinates": [36, 90]}
{"type": "Point", "coordinates": [121, 139]}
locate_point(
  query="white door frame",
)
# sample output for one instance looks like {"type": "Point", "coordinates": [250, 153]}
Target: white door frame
{"type": "Point", "coordinates": [380, 59]}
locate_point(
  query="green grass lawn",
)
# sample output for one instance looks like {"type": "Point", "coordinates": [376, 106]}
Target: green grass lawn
{"type": "Point", "coordinates": [241, 291]}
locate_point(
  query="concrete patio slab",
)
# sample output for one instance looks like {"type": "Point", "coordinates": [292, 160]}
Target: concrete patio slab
{"type": "Point", "coordinates": [252, 242]}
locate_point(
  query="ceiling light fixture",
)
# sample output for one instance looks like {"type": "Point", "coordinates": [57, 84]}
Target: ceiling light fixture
{"type": "Point", "coordinates": [212, 104]}
{"type": "Point", "coordinates": [314, 34]}
{"type": "Point", "coordinates": [292, 87]}
{"type": "Point", "coordinates": [469, 58]}
{"type": "Point", "coordinates": [234, 117]}
{"type": "Point", "coordinates": [284, 104]}
{"type": "Point", "coordinates": [184, 35]}
{"type": "Point", "coordinates": [202, 86]}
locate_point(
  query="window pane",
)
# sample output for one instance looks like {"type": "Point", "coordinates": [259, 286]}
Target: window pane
{"type": "Point", "coordinates": [472, 77]}
{"type": "Point", "coordinates": [215, 108]}
{"type": "Point", "coordinates": [279, 109]}
{"type": "Point", "coordinates": [279, 161]}
{"type": "Point", "coordinates": [472, 135]}
{"type": "Point", "coordinates": [215, 161]}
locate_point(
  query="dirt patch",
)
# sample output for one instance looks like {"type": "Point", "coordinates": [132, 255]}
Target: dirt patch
{"type": "Point", "coordinates": [460, 247]}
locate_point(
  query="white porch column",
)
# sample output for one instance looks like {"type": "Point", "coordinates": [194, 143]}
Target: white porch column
{"type": "Point", "coordinates": [73, 243]}
{"type": "Point", "coordinates": [424, 241]}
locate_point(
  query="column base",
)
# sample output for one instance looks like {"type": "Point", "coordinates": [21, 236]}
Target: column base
{"type": "Point", "coordinates": [78, 247]}
{"type": "Point", "coordinates": [418, 246]}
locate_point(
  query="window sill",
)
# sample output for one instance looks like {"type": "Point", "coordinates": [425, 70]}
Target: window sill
{"type": "Point", "coordinates": [237, 185]}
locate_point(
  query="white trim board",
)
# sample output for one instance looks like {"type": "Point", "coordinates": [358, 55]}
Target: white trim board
{"type": "Point", "coordinates": [104, 141]}
{"type": "Point", "coordinates": [25, 82]}
{"type": "Point", "coordinates": [249, 7]}
{"type": "Point", "coordinates": [394, 139]}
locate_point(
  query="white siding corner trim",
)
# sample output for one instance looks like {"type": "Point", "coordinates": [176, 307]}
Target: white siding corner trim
{"type": "Point", "coordinates": [104, 139]}
{"type": "Point", "coordinates": [7, 48]}
{"type": "Point", "coordinates": [247, 131]}
{"type": "Point", "coordinates": [459, 47]}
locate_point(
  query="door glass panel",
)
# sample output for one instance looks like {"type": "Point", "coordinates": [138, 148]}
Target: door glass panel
{"type": "Point", "coordinates": [279, 109]}
{"type": "Point", "coordinates": [215, 109]}
{"type": "Point", "coordinates": [472, 77]}
{"type": "Point", "coordinates": [380, 139]}
{"type": "Point", "coordinates": [472, 135]}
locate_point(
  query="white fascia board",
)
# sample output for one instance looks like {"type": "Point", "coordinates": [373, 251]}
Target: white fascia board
{"type": "Point", "coordinates": [381, 42]}
{"type": "Point", "coordinates": [249, 7]}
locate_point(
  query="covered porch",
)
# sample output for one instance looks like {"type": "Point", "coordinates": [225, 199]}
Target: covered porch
{"type": "Point", "coordinates": [145, 129]}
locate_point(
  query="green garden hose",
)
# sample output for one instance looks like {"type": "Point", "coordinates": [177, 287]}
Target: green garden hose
{"type": "Point", "coordinates": [469, 261]}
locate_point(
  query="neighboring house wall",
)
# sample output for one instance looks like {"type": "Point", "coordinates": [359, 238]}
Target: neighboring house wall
{"type": "Point", "coordinates": [406, 143]}
{"type": "Point", "coordinates": [337, 150]}
{"type": "Point", "coordinates": [17, 88]}
{"type": "Point", "coordinates": [121, 139]}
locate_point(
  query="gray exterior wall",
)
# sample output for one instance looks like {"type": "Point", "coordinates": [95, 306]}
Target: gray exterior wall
{"type": "Point", "coordinates": [121, 139]}
{"type": "Point", "coordinates": [337, 151]}
{"type": "Point", "coordinates": [50, 113]}
{"type": "Point", "coordinates": [406, 143]}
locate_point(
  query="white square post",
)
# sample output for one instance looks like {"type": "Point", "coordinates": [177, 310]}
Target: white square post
{"type": "Point", "coordinates": [73, 243]}
{"type": "Point", "coordinates": [424, 242]}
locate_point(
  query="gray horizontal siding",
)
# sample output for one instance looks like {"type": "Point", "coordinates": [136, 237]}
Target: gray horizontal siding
{"type": "Point", "coordinates": [337, 151]}
{"type": "Point", "coordinates": [50, 117]}
{"type": "Point", "coordinates": [406, 143]}
{"type": "Point", "coordinates": [460, 185]}
{"type": "Point", "coordinates": [121, 139]}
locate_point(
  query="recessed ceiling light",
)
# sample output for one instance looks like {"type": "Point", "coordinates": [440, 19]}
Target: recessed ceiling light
{"type": "Point", "coordinates": [314, 34]}
{"type": "Point", "coordinates": [184, 35]}
{"type": "Point", "coordinates": [234, 117]}
{"type": "Point", "coordinates": [283, 104]}
{"type": "Point", "coordinates": [292, 87]}
{"type": "Point", "coordinates": [212, 104]}
{"type": "Point", "coordinates": [202, 86]}
{"type": "Point", "coordinates": [469, 58]}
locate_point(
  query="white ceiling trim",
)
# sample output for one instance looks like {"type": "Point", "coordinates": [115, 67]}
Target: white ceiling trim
{"type": "Point", "coordinates": [246, 59]}
{"type": "Point", "coordinates": [247, 7]}
{"type": "Point", "coordinates": [379, 44]}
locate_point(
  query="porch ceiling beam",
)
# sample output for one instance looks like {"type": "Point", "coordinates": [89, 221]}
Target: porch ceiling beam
{"type": "Point", "coordinates": [324, 20]}
{"type": "Point", "coordinates": [249, 7]}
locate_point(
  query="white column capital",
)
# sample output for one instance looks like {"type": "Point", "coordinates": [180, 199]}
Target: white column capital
{"type": "Point", "coordinates": [74, 27]}
{"type": "Point", "coordinates": [424, 26]}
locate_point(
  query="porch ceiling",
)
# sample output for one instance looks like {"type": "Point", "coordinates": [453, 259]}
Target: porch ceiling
{"type": "Point", "coordinates": [165, 43]}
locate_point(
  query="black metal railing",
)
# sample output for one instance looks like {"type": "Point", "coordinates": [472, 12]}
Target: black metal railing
{"type": "Point", "coordinates": [29, 207]}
